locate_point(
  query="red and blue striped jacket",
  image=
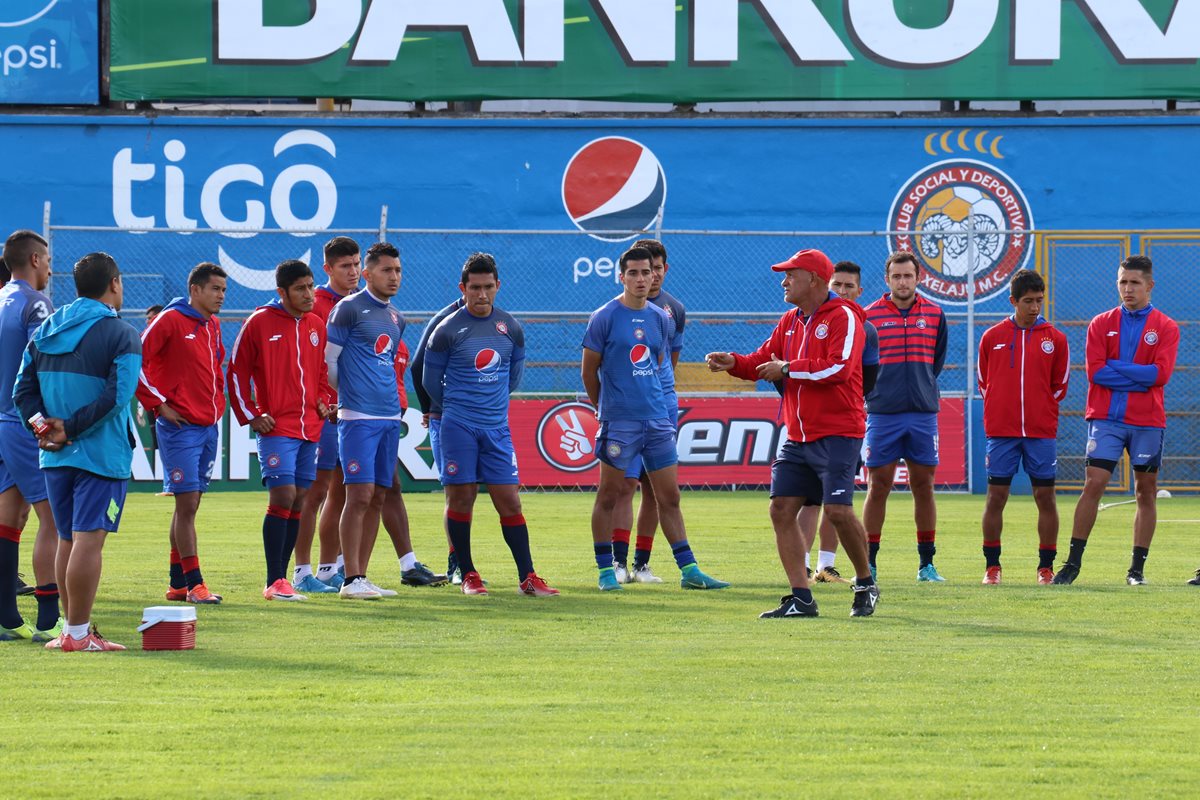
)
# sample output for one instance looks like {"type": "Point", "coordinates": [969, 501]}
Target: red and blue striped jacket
{"type": "Point", "coordinates": [1130, 358]}
{"type": "Point", "coordinates": [912, 351]}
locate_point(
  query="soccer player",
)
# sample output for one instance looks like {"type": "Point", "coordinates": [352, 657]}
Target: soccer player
{"type": "Point", "coordinates": [647, 521]}
{"type": "Point", "coordinates": [152, 312]}
{"type": "Point", "coordinates": [327, 494]}
{"type": "Point", "coordinates": [903, 407]}
{"type": "Point", "coordinates": [79, 374]}
{"type": "Point", "coordinates": [278, 386]}
{"type": "Point", "coordinates": [23, 307]}
{"type": "Point", "coordinates": [473, 363]}
{"type": "Point", "coordinates": [364, 338]}
{"type": "Point", "coordinates": [431, 415]}
{"type": "Point", "coordinates": [846, 284]}
{"type": "Point", "coordinates": [624, 347]}
{"type": "Point", "coordinates": [182, 384]}
{"type": "Point", "coordinates": [821, 342]}
{"type": "Point", "coordinates": [1023, 369]}
{"type": "Point", "coordinates": [1130, 357]}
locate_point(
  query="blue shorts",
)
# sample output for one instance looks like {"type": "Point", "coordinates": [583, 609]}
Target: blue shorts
{"type": "Point", "coordinates": [189, 453]}
{"type": "Point", "coordinates": [368, 449]}
{"type": "Point", "coordinates": [912, 436]}
{"type": "Point", "coordinates": [822, 471]}
{"type": "Point", "coordinates": [1107, 442]}
{"type": "Point", "coordinates": [435, 443]}
{"type": "Point", "coordinates": [285, 461]}
{"type": "Point", "coordinates": [628, 445]}
{"type": "Point", "coordinates": [327, 448]}
{"type": "Point", "coordinates": [1006, 453]}
{"type": "Point", "coordinates": [19, 452]}
{"type": "Point", "coordinates": [477, 455]}
{"type": "Point", "coordinates": [638, 469]}
{"type": "Point", "coordinates": [83, 501]}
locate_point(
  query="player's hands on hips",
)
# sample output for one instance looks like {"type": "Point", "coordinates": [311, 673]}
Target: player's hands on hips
{"type": "Point", "coordinates": [264, 424]}
{"type": "Point", "coordinates": [719, 362]}
{"type": "Point", "coordinates": [171, 415]}
{"type": "Point", "coordinates": [771, 370]}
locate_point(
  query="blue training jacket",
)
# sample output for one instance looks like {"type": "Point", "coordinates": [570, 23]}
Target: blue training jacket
{"type": "Point", "coordinates": [82, 367]}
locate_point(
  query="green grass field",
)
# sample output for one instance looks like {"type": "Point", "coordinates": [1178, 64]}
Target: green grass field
{"type": "Point", "coordinates": [953, 690]}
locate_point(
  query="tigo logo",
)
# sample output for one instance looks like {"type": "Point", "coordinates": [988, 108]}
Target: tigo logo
{"type": "Point", "coordinates": [487, 361]}
{"type": "Point", "coordinates": [614, 184]}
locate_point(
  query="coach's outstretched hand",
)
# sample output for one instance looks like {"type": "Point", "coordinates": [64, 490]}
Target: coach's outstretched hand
{"type": "Point", "coordinates": [719, 362]}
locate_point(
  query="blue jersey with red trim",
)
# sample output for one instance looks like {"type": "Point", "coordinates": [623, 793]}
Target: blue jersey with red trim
{"type": "Point", "coordinates": [632, 345]}
{"type": "Point", "coordinates": [912, 351]}
{"type": "Point", "coordinates": [22, 309]}
{"type": "Point", "coordinates": [472, 365]}
{"type": "Point", "coordinates": [368, 331]}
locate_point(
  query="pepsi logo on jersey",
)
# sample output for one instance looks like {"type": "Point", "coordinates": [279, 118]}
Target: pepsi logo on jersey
{"type": "Point", "coordinates": [487, 364]}
{"type": "Point", "coordinates": [640, 357]}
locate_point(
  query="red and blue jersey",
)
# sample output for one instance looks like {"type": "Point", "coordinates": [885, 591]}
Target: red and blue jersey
{"type": "Point", "coordinates": [182, 353]}
{"type": "Point", "coordinates": [364, 335]}
{"type": "Point", "coordinates": [912, 352]}
{"type": "Point", "coordinates": [22, 309]}
{"type": "Point", "coordinates": [1130, 358]}
{"type": "Point", "coordinates": [632, 345]}
{"type": "Point", "coordinates": [472, 365]}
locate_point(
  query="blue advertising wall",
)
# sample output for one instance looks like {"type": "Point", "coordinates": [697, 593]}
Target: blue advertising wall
{"type": "Point", "coordinates": [49, 52]}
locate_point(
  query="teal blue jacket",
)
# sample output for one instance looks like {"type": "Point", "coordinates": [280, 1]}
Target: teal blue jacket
{"type": "Point", "coordinates": [82, 367]}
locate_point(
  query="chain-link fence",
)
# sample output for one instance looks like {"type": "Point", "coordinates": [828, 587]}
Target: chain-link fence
{"type": "Point", "coordinates": [552, 280]}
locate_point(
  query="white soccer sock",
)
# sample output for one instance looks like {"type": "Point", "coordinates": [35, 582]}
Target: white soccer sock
{"type": "Point", "coordinates": [341, 562]}
{"type": "Point", "coordinates": [300, 572]}
{"type": "Point", "coordinates": [77, 632]}
{"type": "Point", "coordinates": [326, 571]}
{"type": "Point", "coordinates": [408, 561]}
{"type": "Point", "coordinates": [808, 560]}
{"type": "Point", "coordinates": [825, 559]}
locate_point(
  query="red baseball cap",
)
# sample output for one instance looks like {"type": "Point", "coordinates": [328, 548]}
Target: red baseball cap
{"type": "Point", "coordinates": [813, 261]}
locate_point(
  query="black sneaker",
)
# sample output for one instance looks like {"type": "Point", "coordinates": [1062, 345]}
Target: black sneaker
{"type": "Point", "coordinates": [421, 575]}
{"type": "Point", "coordinates": [1196, 580]}
{"type": "Point", "coordinates": [452, 563]}
{"type": "Point", "coordinates": [1066, 574]}
{"type": "Point", "coordinates": [865, 600]}
{"type": "Point", "coordinates": [1135, 578]}
{"type": "Point", "coordinates": [23, 588]}
{"type": "Point", "coordinates": [791, 606]}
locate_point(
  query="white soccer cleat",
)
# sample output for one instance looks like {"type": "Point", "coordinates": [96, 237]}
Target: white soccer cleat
{"type": "Point", "coordinates": [359, 589]}
{"type": "Point", "coordinates": [381, 591]}
{"type": "Point", "coordinates": [621, 572]}
{"type": "Point", "coordinates": [644, 575]}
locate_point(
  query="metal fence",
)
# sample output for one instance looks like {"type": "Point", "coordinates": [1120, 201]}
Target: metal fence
{"type": "Point", "coordinates": [552, 280]}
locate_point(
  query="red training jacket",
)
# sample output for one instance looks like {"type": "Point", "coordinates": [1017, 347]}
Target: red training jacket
{"type": "Point", "coordinates": [278, 368]}
{"type": "Point", "coordinates": [401, 364]}
{"type": "Point", "coordinates": [1157, 346]}
{"type": "Point", "coordinates": [182, 355]}
{"type": "Point", "coordinates": [823, 391]}
{"type": "Point", "coordinates": [1022, 375]}
{"type": "Point", "coordinates": [324, 299]}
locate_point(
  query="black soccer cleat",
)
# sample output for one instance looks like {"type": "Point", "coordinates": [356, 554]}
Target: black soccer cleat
{"type": "Point", "coordinates": [865, 600]}
{"type": "Point", "coordinates": [421, 575]}
{"type": "Point", "coordinates": [1135, 578]}
{"type": "Point", "coordinates": [791, 606]}
{"type": "Point", "coordinates": [1066, 574]}
{"type": "Point", "coordinates": [23, 588]}
{"type": "Point", "coordinates": [1196, 580]}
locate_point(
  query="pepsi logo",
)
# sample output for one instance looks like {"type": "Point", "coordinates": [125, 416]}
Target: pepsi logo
{"type": "Point", "coordinates": [566, 436]}
{"type": "Point", "coordinates": [383, 344]}
{"type": "Point", "coordinates": [639, 356]}
{"type": "Point", "coordinates": [487, 361]}
{"type": "Point", "coordinates": [614, 189]}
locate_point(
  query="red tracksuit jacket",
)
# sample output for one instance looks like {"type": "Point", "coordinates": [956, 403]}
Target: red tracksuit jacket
{"type": "Point", "coordinates": [278, 368]}
{"type": "Point", "coordinates": [182, 355]}
{"type": "Point", "coordinates": [1022, 375]}
{"type": "Point", "coordinates": [400, 365]}
{"type": "Point", "coordinates": [1153, 340]}
{"type": "Point", "coordinates": [823, 391]}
